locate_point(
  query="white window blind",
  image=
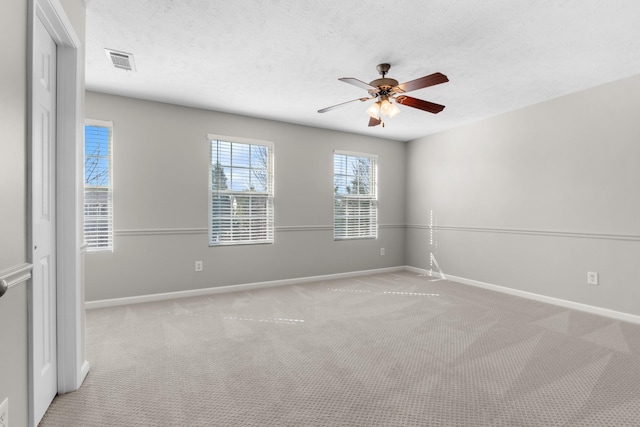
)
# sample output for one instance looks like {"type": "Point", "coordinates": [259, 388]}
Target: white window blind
{"type": "Point", "coordinates": [98, 185]}
{"type": "Point", "coordinates": [355, 207]}
{"type": "Point", "coordinates": [241, 192]}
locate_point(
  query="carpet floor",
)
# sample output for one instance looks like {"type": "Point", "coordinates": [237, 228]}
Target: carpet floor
{"type": "Point", "coordinates": [392, 349]}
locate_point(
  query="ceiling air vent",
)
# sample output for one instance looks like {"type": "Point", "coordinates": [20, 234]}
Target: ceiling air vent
{"type": "Point", "coordinates": [122, 60]}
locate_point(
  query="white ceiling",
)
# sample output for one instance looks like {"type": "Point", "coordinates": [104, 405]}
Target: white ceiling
{"type": "Point", "coordinates": [281, 59]}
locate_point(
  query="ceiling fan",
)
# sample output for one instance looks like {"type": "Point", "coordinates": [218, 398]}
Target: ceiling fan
{"type": "Point", "coordinates": [384, 90]}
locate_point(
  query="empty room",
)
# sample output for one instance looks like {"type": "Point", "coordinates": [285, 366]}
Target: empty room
{"type": "Point", "coordinates": [401, 213]}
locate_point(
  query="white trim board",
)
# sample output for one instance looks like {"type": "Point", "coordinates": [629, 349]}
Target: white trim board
{"type": "Point", "coordinates": [527, 232]}
{"type": "Point", "coordinates": [115, 302]}
{"type": "Point", "coordinates": [184, 231]}
{"type": "Point", "coordinates": [605, 312]}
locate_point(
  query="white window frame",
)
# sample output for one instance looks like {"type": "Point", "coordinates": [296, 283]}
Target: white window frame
{"type": "Point", "coordinates": [355, 216]}
{"type": "Point", "coordinates": [241, 238]}
{"type": "Point", "coordinates": [106, 237]}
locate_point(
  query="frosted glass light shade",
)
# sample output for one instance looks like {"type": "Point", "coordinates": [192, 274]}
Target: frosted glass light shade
{"type": "Point", "coordinates": [393, 110]}
{"type": "Point", "coordinates": [374, 110]}
{"type": "Point", "coordinates": [385, 106]}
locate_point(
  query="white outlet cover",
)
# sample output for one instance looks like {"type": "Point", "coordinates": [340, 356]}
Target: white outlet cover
{"type": "Point", "coordinates": [592, 278]}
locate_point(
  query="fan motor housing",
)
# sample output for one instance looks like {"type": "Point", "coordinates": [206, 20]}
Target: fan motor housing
{"type": "Point", "coordinates": [383, 84]}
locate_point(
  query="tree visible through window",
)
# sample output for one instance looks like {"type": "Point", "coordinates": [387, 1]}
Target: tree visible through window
{"type": "Point", "coordinates": [98, 194]}
{"type": "Point", "coordinates": [241, 192]}
{"type": "Point", "coordinates": [355, 207]}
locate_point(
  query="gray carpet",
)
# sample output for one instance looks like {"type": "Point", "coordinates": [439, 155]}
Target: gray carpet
{"type": "Point", "coordinates": [383, 350]}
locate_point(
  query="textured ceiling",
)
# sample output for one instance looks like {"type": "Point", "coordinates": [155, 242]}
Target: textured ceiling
{"type": "Point", "coordinates": [281, 59]}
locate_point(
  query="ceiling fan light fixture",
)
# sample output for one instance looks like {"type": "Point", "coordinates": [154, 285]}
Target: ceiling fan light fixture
{"type": "Point", "coordinates": [384, 107]}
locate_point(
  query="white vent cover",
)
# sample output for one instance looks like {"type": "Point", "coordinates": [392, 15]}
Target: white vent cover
{"type": "Point", "coordinates": [122, 60]}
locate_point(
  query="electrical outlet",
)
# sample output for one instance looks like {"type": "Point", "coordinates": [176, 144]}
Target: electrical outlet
{"type": "Point", "coordinates": [592, 278]}
{"type": "Point", "coordinates": [4, 413]}
{"type": "Point", "coordinates": [382, 251]}
{"type": "Point", "coordinates": [198, 265]}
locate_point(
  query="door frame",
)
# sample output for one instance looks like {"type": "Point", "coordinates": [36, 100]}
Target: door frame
{"type": "Point", "coordinates": [72, 364]}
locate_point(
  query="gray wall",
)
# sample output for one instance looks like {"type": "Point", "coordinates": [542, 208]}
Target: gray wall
{"type": "Point", "coordinates": [535, 198]}
{"type": "Point", "coordinates": [14, 40]}
{"type": "Point", "coordinates": [13, 140]}
{"type": "Point", "coordinates": [161, 160]}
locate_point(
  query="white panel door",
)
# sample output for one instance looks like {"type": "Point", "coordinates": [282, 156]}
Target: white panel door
{"type": "Point", "coordinates": [43, 209]}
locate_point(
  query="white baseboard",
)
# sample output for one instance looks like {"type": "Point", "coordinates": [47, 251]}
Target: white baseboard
{"type": "Point", "coordinates": [84, 371]}
{"type": "Point", "coordinates": [232, 288]}
{"type": "Point", "coordinates": [617, 315]}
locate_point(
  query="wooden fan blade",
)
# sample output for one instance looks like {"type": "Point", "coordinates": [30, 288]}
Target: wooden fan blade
{"type": "Point", "coordinates": [374, 122]}
{"type": "Point", "coordinates": [431, 107]}
{"type": "Point", "coordinates": [333, 107]}
{"type": "Point", "coordinates": [358, 83]}
{"type": "Point", "coordinates": [422, 82]}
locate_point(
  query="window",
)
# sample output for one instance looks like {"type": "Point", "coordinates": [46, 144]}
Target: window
{"type": "Point", "coordinates": [241, 192]}
{"type": "Point", "coordinates": [355, 202]}
{"type": "Point", "coordinates": [98, 185]}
